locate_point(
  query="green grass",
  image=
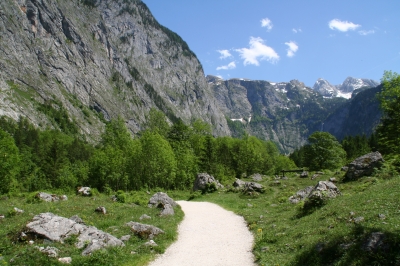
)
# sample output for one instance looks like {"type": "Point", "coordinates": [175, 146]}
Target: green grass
{"type": "Point", "coordinates": [285, 234]}
{"type": "Point", "coordinates": [118, 214]}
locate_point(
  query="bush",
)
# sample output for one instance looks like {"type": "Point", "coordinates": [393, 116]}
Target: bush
{"type": "Point", "coordinates": [121, 197]}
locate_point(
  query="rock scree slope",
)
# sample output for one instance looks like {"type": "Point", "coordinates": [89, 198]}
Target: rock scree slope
{"type": "Point", "coordinates": [209, 235]}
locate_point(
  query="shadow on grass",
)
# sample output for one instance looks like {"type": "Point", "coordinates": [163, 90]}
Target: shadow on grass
{"type": "Point", "coordinates": [363, 246]}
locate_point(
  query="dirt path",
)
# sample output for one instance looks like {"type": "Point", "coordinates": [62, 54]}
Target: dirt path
{"type": "Point", "coordinates": [209, 236]}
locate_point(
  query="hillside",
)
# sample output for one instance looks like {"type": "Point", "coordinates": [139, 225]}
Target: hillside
{"type": "Point", "coordinates": [87, 62]}
{"type": "Point", "coordinates": [110, 58]}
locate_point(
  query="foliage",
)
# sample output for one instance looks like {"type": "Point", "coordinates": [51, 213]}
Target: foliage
{"type": "Point", "coordinates": [389, 131]}
{"type": "Point", "coordinates": [9, 163]}
{"type": "Point", "coordinates": [324, 152]}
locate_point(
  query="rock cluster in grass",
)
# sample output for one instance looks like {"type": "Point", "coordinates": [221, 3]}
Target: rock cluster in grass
{"type": "Point", "coordinates": [204, 180]}
{"type": "Point", "coordinates": [363, 166]}
{"type": "Point", "coordinates": [314, 196]}
{"type": "Point", "coordinates": [248, 186]}
{"type": "Point", "coordinates": [57, 228]}
{"type": "Point", "coordinates": [145, 231]}
{"type": "Point", "coordinates": [301, 195]}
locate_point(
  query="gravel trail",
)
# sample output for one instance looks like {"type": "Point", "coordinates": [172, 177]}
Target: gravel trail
{"type": "Point", "coordinates": [209, 236]}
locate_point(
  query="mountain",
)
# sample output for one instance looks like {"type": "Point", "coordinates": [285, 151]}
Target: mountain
{"type": "Point", "coordinates": [345, 89]}
{"type": "Point", "coordinates": [360, 115]}
{"type": "Point", "coordinates": [84, 62]}
{"type": "Point", "coordinates": [286, 112]}
{"type": "Point", "coordinates": [96, 60]}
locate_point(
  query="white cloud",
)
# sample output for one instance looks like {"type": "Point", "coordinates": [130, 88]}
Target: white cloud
{"type": "Point", "coordinates": [266, 23]}
{"type": "Point", "coordinates": [231, 65]}
{"type": "Point", "coordinates": [257, 51]}
{"type": "Point", "coordinates": [224, 54]}
{"type": "Point", "coordinates": [336, 24]}
{"type": "Point", "coordinates": [296, 30]}
{"type": "Point", "coordinates": [366, 32]}
{"type": "Point", "coordinates": [292, 48]}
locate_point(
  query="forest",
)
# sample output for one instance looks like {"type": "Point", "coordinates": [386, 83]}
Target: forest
{"type": "Point", "coordinates": [169, 156]}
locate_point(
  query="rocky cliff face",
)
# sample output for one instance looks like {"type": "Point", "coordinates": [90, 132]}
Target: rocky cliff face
{"type": "Point", "coordinates": [360, 115]}
{"type": "Point", "coordinates": [90, 57]}
{"type": "Point", "coordinates": [286, 113]}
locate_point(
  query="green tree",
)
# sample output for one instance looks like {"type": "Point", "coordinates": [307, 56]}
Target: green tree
{"type": "Point", "coordinates": [156, 122]}
{"type": "Point", "coordinates": [158, 164]}
{"type": "Point", "coordinates": [9, 163]}
{"type": "Point", "coordinates": [389, 131]}
{"type": "Point", "coordinates": [324, 152]}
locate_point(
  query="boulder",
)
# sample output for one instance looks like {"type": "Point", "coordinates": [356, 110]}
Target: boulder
{"type": "Point", "coordinates": [77, 219]}
{"type": "Point", "coordinates": [239, 183]}
{"type": "Point", "coordinates": [363, 166]}
{"type": "Point", "coordinates": [203, 180]}
{"type": "Point", "coordinates": [167, 210]}
{"type": "Point", "coordinates": [160, 198]}
{"type": "Point", "coordinates": [125, 238]}
{"type": "Point", "coordinates": [63, 197]}
{"type": "Point", "coordinates": [322, 191]}
{"type": "Point", "coordinates": [57, 228]}
{"type": "Point", "coordinates": [300, 195]}
{"type": "Point", "coordinates": [95, 239]}
{"type": "Point", "coordinates": [253, 187]}
{"type": "Point", "coordinates": [145, 230]}
{"type": "Point", "coordinates": [84, 191]}
{"type": "Point", "coordinates": [47, 197]}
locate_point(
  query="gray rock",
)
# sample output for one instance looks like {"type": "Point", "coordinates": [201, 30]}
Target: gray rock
{"type": "Point", "coordinates": [253, 187]}
{"type": "Point", "coordinates": [358, 220]}
{"type": "Point", "coordinates": [2, 216]}
{"type": "Point", "coordinates": [84, 191]}
{"type": "Point", "coordinates": [239, 183]}
{"type": "Point", "coordinates": [363, 166]}
{"type": "Point", "coordinates": [63, 197]}
{"type": "Point", "coordinates": [256, 177]}
{"type": "Point", "coordinates": [151, 243]}
{"type": "Point", "coordinates": [18, 211]}
{"type": "Point", "coordinates": [167, 210]}
{"type": "Point", "coordinates": [53, 227]}
{"type": "Point", "coordinates": [322, 191]}
{"type": "Point", "coordinates": [57, 228]}
{"type": "Point", "coordinates": [125, 238]}
{"type": "Point", "coordinates": [77, 219]}
{"type": "Point", "coordinates": [144, 230]}
{"type": "Point", "coordinates": [382, 216]}
{"type": "Point", "coordinates": [160, 198]}
{"type": "Point", "coordinates": [204, 179]}
{"type": "Point", "coordinates": [95, 240]}
{"type": "Point", "coordinates": [300, 195]}
{"type": "Point", "coordinates": [65, 260]}
{"type": "Point", "coordinates": [47, 197]}
{"type": "Point", "coordinates": [101, 209]}
{"type": "Point", "coordinates": [144, 217]}
{"type": "Point", "coordinates": [333, 180]}
{"type": "Point", "coordinates": [304, 174]}
{"type": "Point", "coordinates": [49, 251]}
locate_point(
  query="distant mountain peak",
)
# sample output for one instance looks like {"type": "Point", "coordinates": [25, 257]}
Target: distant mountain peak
{"type": "Point", "coordinates": [345, 89]}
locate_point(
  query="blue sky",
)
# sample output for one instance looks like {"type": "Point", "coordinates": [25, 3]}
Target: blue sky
{"type": "Point", "coordinates": [284, 40]}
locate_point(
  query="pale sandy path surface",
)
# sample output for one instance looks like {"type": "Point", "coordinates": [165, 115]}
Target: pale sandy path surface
{"type": "Point", "coordinates": [209, 236]}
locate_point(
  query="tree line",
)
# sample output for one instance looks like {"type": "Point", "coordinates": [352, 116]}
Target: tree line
{"type": "Point", "coordinates": [161, 156]}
